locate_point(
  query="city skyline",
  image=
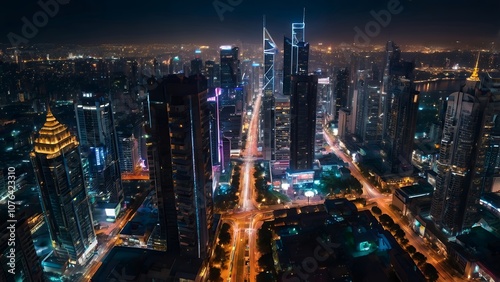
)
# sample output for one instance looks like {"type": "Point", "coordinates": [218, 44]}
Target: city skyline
{"type": "Point", "coordinates": [447, 23]}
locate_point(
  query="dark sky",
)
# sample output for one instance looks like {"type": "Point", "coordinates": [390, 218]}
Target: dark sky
{"type": "Point", "coordinates": [437, 22]}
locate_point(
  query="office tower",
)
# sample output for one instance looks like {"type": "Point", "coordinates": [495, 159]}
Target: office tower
{"type": "Point", "coordinates": [341, 91]}
{"type": "Point", "coordinates": [129, 157]}
{"type": "Point", "coordinates": [296, 55]}
{"type": "Point", "coordinates": [230, 115]}
{"type": "Point", "coordinates": [325, 95]}
{"type": "Point", "coordinates": [456, 155]}
{"type": "Point", "coordinates": [180, 163]}
{"type": "Point", "coordinates": [25, 265]}
{"type": "Point", "coordinates": [268, 113]}
{"type": "Point", "coordinates": [212, 72]}
{"type": "Point", "coordinates": [282, 128]}
{"type": "Point", "coordinates": [302, 121]}
{"type": "Point", "coordinates": [368, 125]}
{"type": "Point", "coordinates": [196, 66]}
{"type": "Point", "coordinates": [99, 145]}
{"type": "Point", "coordinates": [58, 169]}
{"type": "Point", "coordinates": [175, 65]}
{"type": "Point", "coordinates": [487, 161]}
{"type": "Point", "coordinates": [400, 111]}
{"type": "Point", "coordinates": [229, 67]}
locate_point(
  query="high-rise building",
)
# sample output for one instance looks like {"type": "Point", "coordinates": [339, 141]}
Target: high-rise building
{"type": "Point", "coordinates": [65, 205]}
{"type": "Point", "coordinates": [180, 163]}
{"type": "Point", "coordinates": [268, 121]}
{"type": "Point", "coordinates": [22, 264]}
{"type": "Point", "coordinates": [368, 125]}
{"type": "Point", "coordinates": [129, 157]}
{"type": "Point", "coordinates": [296, 55]}
{"type": "Point", "coordinates": [99, 145]}
{"type": "Point", "coordinates": [196, 66]}
{"type": "Point", "coordinates": [400, 111]}
{"type": "Point", "coordinates": [212, 72]}
{"type": "Point", "coordinates": [454, 163]}
{"type": "Point", "coordinates": [282, 128]}
{"type": "Point", "coordinates": [302, 121]}
{"type": "Point", "coordinates": [229, 67]}
{"type": "Point", "coordinates": [341, 91]}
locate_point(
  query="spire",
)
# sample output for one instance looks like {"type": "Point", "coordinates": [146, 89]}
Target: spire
{"type": "Point", "coordinates": [475, 74]}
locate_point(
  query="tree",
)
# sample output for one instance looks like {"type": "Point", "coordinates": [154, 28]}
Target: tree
{"type": "Point", "coordinates": [266, 262]}
{"type": "Point", "coordinates": [376, 210]}
{"type": "Point", "coordinates": [395, 227]}
{"type": "Point", "coordinates": [264, 240]}
{"type": "Point", "coordinates": [399, 234]}
{"type": "Point", "coordinates": [224, 238]}
{"type": "Point", "coordinates": [220, 254]}
{"type": "Point", "coordinates": [214, 274]}
{"type": "Point", "coordinates": [430, 272]}
{"type": "Point", "coordinates": [419, 258]}
{"type": "Point", "coordinates": [265, 277]}
{"type": "Point", "coordinates": [410, 249]}
{"type": "Point", "coordinates": [404, 241]}
{"type": "Point", "coordinates": [386, 220]}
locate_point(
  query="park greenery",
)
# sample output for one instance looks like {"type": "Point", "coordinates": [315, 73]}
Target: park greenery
{"type": "Point", "coordinates": [221, 254]}
{"type": "Point", "coordinates": [265, 194]}
{"type": "Point", "coordinates": [226, 197]}
{"type": "Point", "coordinates": [332, 183]}
{"type": "Point", "coordinates": [264, 246]}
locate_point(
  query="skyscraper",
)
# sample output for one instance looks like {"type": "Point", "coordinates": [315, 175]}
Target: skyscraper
{"type": "Point", "coordinates": [400, 102]}
{"type": "Point", "coordinates": [27, 267]}
{"type": "Point", "coordinates": [269, 121]}
{"type": "Point", "coordinates": [229, 67]}
{"type": "Point", "coordinates": [368, 125]}
{"type": "Point", "coordinates": [180, 163]}
{"type": "Point", "coordinates": [99, 145]}
{"type": "Point", "coordinates": [296, 55]}
{"type": "Point", "coordinates": [302, 121]}
{"type": "Point", "coordinates": [58, 170]}
{"type": "Point", "coordinates": [456, 151]}
{"type": "Point", "coordinates": [341, 91]}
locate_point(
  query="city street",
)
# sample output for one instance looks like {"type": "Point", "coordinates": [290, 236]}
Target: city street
{"type": "Point", "coordinates": [383, 202]}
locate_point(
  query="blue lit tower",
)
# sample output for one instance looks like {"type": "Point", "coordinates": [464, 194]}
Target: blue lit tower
{"type": "Point", "coordinates": [97, 136]}
{"type": "Point", "coordinates": [268, 121]}
{"type": "Point", "coordinates": [58, 170]}
{"type": "Point", "coordinates": [296, 55]}
{"type": "Point", "coordinates": [180, 163]}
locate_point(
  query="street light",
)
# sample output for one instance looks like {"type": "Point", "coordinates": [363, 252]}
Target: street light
{"type": "Point", "coordinates": [309, 194]}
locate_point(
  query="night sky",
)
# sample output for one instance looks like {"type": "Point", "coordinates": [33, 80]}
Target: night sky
{"type": "Point", "coordinates": [438, 22]}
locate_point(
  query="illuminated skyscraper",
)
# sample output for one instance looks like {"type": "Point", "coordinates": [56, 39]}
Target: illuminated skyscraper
{"type": "Point", "coordinates": [269, 120]}
{"type": "Point", "coordinates": [296, 55]}
{"type": "Point", "coordinates": [302, 121]}
{"type": "Point", "coordinates": [58, 170]}
{"type": "Point", "coordinates": [341, 91]}
{"type": "Point", "coordinates": [99, 144]}
{"type": "Point", "coordinates": [368, 125]}
{"type": "Point", "coordinates": [180, 163]}
{"type": "Point", "coordinates": [26, 266]}
{"type": "Point", "coordinates": [400, 103]}
{"type": "Point", "coordinates": [229, 67]}
{"type": "Point", "coordinates": [454, 163]}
